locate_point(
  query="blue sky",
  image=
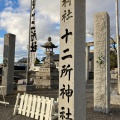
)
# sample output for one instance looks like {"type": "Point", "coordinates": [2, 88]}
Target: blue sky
{"type": "Point", "coordinates": [14, 18]}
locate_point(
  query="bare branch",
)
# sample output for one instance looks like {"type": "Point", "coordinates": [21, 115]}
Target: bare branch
{"type": "Point", "coordinates": [90, 32]}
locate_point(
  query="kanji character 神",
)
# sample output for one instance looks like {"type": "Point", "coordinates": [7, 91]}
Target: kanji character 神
{"type": "Point", "coordinates": [68, 92]}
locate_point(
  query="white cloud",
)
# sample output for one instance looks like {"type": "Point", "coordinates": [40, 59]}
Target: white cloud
{"type": "Point", "coordinates": [1, 39]}
{"type": "Point", "coordinates": [49, 8]}
{"type": "Point", "coordinates": [94, 6]}
{"type": "Point", "coordinates": [1, 50]}
{"type": "Point", "coordinates": [16, 21]}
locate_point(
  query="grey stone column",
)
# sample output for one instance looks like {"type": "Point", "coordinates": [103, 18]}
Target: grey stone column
{"type": "Point", "coordinates": [72, 95]}
{"type": "Point", "coordinates": [87, 62]}
{"type": "Point", "coordinates": [102, 62]}
{"type": "Point", "coordinates": [8, 63]}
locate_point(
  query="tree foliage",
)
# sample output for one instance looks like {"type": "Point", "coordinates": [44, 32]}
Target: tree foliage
{"type": "Point", "coordinates": [113, 54]}
{"type": "Point", "coordinates": [113, 60]}
{"type": "Point", "coordinates": [37, 61]}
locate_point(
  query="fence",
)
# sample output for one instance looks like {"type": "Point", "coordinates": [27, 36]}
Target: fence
{"type": "Point", "coordinates": [35, 107]}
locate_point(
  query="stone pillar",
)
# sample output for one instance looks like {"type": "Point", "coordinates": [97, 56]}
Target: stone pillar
{"type": "Point", "coordinates": [8, 63]}
{"type": "Point", "coordinates": [72, 95]}
{"type": "Point", "coordinates": [102, 62]}
{"type": "Point", "coordinates": [87, 62]}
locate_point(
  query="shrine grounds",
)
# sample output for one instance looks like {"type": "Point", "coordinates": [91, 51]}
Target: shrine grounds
{"type": "Point", "coordinates": [6, 112]}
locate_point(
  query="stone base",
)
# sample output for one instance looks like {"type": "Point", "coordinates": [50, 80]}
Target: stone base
{"type": "Point", "coordinates": [43, 87]}
{"type": "Point", "coordinates": [113, 88]}
{"type": "Point", "coordinates": [100, 109]}
{"type": "Point", "coordinates": [115, 99]}
{"type": "Point", "coordinates": [25, 87]}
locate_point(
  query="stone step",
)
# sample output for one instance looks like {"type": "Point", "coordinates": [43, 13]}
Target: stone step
{"type": "Point", "coordinates": [90, 82]}
{"type": "Point", "coordinates": [89, 86]}
{"type": "Point", "coordinates": [115, 99]}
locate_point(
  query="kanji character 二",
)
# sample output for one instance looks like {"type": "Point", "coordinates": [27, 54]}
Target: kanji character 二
{"type": "Point", "coordinates": [67, 56]}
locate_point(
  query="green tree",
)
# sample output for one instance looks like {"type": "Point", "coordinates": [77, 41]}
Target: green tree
{"type": "Point", "coordinates": [37, 61]}
{"type": "Point", "coordinates": [113, 60]}
{"type": "Point", "coordinates": [113, 54]}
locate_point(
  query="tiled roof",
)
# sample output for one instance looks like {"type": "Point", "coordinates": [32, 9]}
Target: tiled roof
{"type": "Point", "coordinates": [23, 60]}
{"type": "Point", "coordinates": [55, 57]}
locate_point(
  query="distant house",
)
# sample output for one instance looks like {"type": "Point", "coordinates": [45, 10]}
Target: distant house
{"type": "Point", "coordinates": [91, 60]}
{"type": "Point", "coordinates": [56, 59]}
{"type": "Point", "coordinates": [21, 62]}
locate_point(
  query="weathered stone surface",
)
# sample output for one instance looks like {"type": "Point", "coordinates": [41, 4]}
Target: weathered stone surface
{"type": "Point", "coordinates": [115, 99]}
{"type": "Point", "coordinates": [25, 87]}
{"type": "Point", "coordinates": [72, 97]}
{"type": "Point", "coordinates": [8, 63]}
{"type": "Point", "coordinates": [47, 78]}
{"type": "Point", "coordinates": [102, 62]}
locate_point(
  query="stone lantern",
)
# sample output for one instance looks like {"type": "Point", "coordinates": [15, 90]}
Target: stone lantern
{"type": "Point", "coordinates": [48, 62]}
{"type": "Point", "coordinates": [48, 75]}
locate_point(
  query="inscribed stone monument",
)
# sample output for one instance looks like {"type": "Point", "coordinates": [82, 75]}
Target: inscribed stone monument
{"type": "Point", "coordinates": [8, 63]}
{"type": "Point", "coordinates": [102, 62]}
{"type": "Point", "coordinates": [72, 96]}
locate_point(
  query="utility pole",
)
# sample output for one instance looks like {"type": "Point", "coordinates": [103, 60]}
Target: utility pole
{"type": "Point", "coordinates": [118, 44]}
